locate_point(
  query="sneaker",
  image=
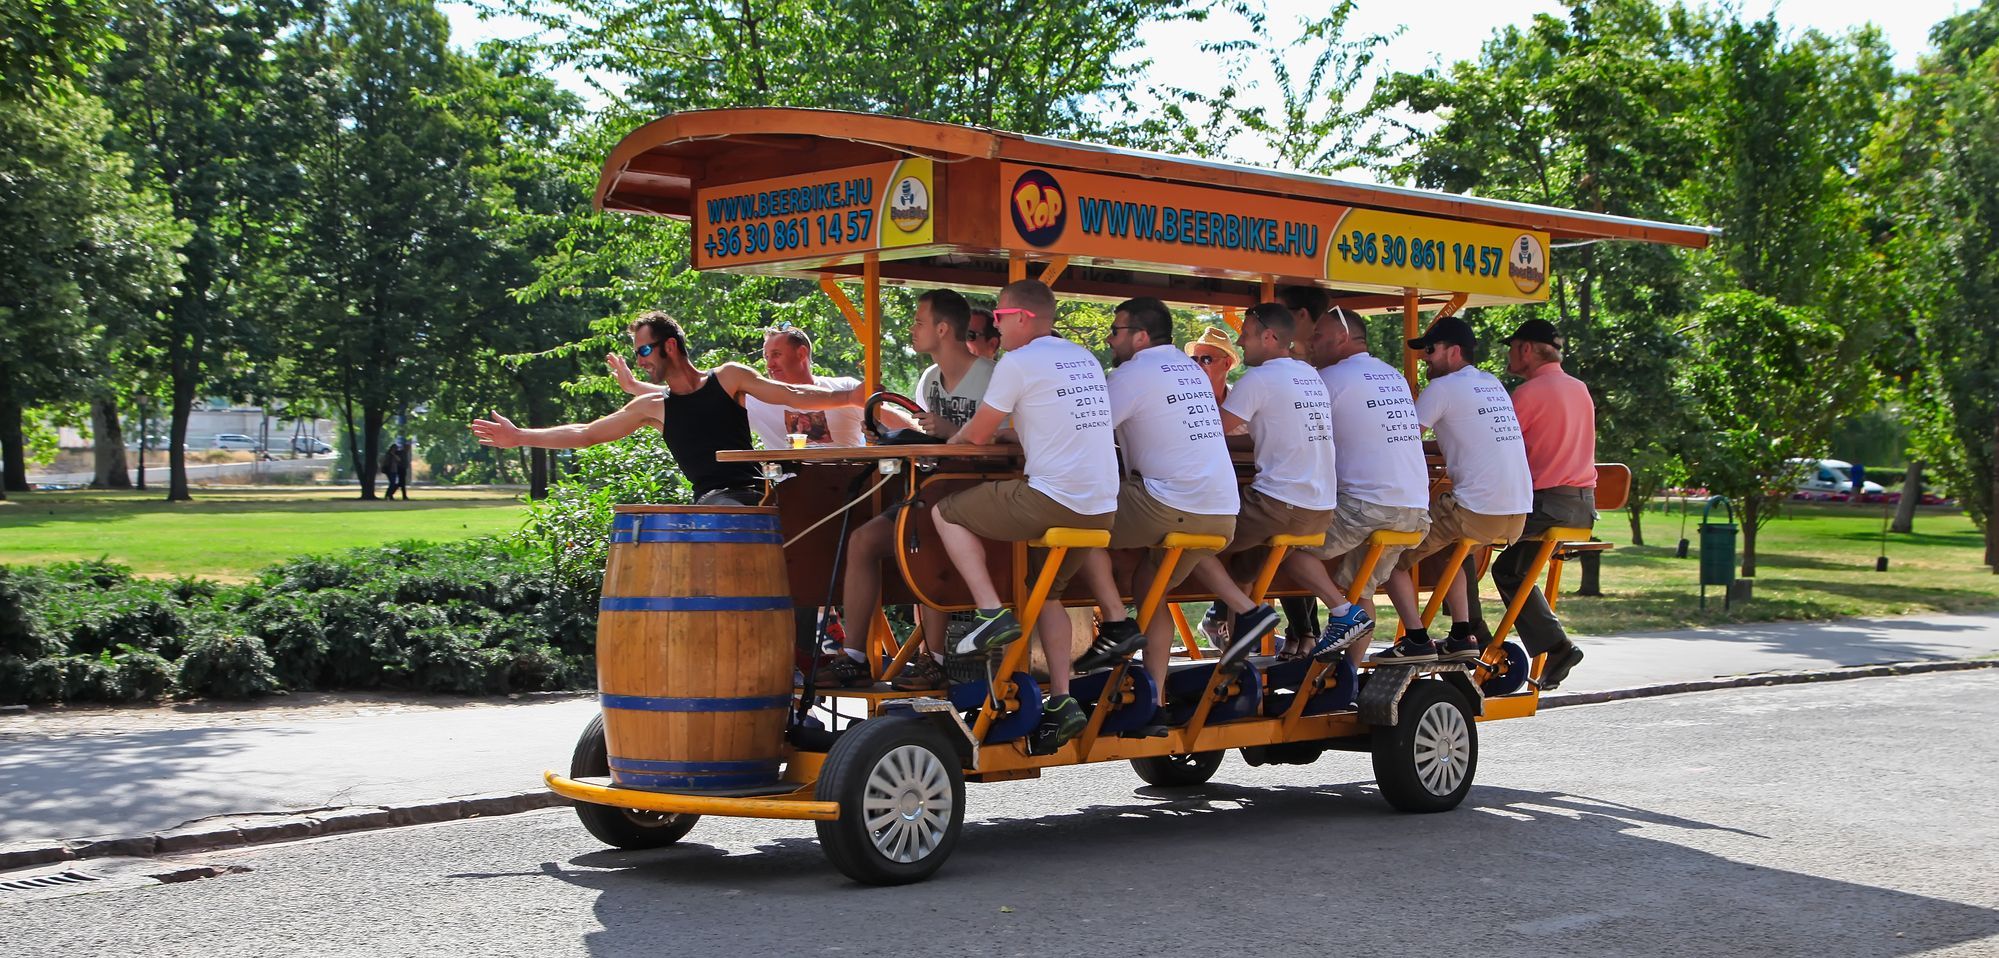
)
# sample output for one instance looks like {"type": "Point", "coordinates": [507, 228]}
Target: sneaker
{"type": "Point", "coordinates": [1062, 716]}
{"type": "Point", "coordinates": [989, 632]}
{"type": "Point", "coordinates": [1406, 652]}
{"type": "Point", "coordinates": [1460, 648]}
{"type": "Point", "coordinates": [1342, 631]}
{"type": "Point", "coordinates": [1115, 641]}
{"type": "Point", "coordinates": [1556, 670]}
{"type": "Point", "coordinates": [842, 672]}
{"type": "Point", "coordinates": [1246, 634]}
{"type": "Point", "coordinates": [920, 674]}
{"type": "Point", "coordinates": [1215, 626]}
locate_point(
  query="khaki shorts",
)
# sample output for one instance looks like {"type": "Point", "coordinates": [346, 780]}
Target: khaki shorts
{"type": "Point", "coordinates": [1356, 519]}
{"type": "Point", "coordinates": [1449, 523]}
{"type": "Point", "coordinates": [1010, 510]}
{"type": "Point", "coordinates": [1143, 522]}
{"type": "Point", "coordinates": [1263, 517]}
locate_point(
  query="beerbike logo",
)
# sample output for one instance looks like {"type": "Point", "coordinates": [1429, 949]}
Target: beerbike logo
{"type": "Point", "coordinates": [1527, 264]}
{"type": "Point", "coordinates": [1040, 209]}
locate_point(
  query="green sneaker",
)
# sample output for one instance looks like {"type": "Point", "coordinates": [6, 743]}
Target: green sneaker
{"type": "Point", "coordinates": [1063, 718]}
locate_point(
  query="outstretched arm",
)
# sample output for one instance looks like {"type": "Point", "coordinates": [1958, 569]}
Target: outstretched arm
{"type": "Point", "coordinates": [981, 429]}
{"type": "Point", "coordinates": [741, 380]}
{"type": "Point", "coordinates": [626, 381]}
{"type": "Point", "coordinates": [500, 432]}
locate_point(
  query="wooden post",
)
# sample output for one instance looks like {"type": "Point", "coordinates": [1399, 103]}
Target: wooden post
{"type": "Point", "coordinates": [1409, 332]}
{"type": "Point", "coordinates": [871, 292]}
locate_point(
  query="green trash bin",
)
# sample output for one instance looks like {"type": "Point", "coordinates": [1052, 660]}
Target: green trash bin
{"type": "Point", "coordinates": [1717, 550]}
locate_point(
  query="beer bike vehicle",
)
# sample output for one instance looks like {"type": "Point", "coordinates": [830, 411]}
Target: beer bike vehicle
{"type": "Point", "coordinates": [696, 650]}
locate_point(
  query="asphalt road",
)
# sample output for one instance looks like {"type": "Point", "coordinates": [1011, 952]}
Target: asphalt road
{"type": "Point", "coordinates": [1843, 819]}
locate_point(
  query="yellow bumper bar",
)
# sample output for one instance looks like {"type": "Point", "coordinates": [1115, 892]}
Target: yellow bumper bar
{"type": "Point", "coordinates": [776, 807]}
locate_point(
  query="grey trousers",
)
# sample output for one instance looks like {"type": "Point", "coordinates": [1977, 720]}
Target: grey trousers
{"type": "Point", "coordinates": [1540, 631]}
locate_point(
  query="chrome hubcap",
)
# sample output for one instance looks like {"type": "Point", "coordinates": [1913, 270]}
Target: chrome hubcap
{"type": "Point", "coordinates": [1443, 749]}
{"type": "Point", "coordinates": [908, 804]}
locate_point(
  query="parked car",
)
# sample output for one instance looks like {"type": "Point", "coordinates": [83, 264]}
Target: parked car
{"type": "Point", "coordinates": [1829, 476]}
{"type": "Point", "coordinates": [235, 440]}
{"type": "Point", "coordinates": [310, 445]}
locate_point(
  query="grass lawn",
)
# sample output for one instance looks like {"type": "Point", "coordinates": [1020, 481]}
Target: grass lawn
{"type": "Point", "coordinates": [230, 534]}
{"type": "Point", "coordinates": [1813, 562]}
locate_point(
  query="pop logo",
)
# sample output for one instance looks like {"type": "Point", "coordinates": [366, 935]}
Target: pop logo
{"type": "Point", "coordinates": [1039, 208]}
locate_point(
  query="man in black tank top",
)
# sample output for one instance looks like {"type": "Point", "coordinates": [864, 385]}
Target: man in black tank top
{"type": "Point", "coordinates": [697, 413]}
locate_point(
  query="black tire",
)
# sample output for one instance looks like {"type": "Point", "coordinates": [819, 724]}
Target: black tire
{"type": "Point", "coordinates": [620, 827]}
{"type": "Point", "coordinates": [908, 768]}
{"type": "Point", "coordinates": [1425, 762]}
{"type": "Point", "coordinates": [1178, 770]}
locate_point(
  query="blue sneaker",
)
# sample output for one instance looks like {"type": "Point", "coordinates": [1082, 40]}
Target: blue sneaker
{"type": "Point", "coordinates": [1342, 631]}
{"type": "Point", "coordinates": [1406, 652]}
{"type": "Point", "coordinates": [1245, 634]}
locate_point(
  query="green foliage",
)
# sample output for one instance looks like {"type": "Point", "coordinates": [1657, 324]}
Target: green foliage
{"type": "Point", "coordinates": [226, 664]}
{"type": "Point", "coordinates": [50, 42]}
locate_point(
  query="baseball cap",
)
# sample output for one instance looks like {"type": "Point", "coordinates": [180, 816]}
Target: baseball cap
{"type": "Point", "coordinates": [1536, 331]}
{"type": "Point", "coordinates": [1449, 329]}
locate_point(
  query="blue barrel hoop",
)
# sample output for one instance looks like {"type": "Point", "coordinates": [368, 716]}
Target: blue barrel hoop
{"type": "Point", "coordinates": [749, 528]}
{"type": "Point", "coordinates": [656, 703]}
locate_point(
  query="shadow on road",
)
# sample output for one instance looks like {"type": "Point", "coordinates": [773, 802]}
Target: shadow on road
{"type": "Point", "coordinates": [117, 783]}
{"type": "Point", "coordinates": [1513, 871]}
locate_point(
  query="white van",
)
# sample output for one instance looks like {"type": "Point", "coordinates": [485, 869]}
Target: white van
{"type": "Point", "coordinates": [1827, 476]}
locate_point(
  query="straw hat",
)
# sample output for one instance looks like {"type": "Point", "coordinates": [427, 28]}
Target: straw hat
{"type": "Point", "coordinates": [1218, 338]}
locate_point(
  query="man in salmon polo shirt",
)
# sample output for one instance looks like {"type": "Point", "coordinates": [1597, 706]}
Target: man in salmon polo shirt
{"type": "Point", "coordinates": [1558, 423]}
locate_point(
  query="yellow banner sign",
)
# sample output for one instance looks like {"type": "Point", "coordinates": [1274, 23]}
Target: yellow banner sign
{"type": "Point", "coordinates": [1174, 227]}
{"type": "Point", "coordinates": [829, 214]}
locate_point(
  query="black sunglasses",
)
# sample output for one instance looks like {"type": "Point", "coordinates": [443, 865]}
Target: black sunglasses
{"type": "Point", "coordinates": [1207, 359]}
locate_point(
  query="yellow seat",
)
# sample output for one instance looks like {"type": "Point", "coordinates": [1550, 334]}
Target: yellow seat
{"type": "Point", "coordinates": [1188, 540]}
{"type": "Point", "coordinates": [1388, 537]}
{"type": "Point", "coordinates": [1292, 542]}
{"type": "Point", "coordinates": [1058, 540]}
{"type": "Point", "coordinates": [1063, 537]}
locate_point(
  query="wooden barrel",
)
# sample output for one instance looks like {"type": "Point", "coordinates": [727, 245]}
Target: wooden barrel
{"type": "Point", "coordinates": [694, 655]}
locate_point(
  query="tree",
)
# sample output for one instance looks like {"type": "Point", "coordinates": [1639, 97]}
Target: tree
{"type": "Point", "coordinates": [80, 250]}
{"type": "Point", "coordinates": [51, 43]}
{"type": "Point", "coordinates": [396, 199]}
{"type": "Point", "coordinates": [1757, 377]}
{"type": "Point", "coordinates": [1939, 180]}
{"type": "Point", "coordinates": [189, 86]}
{"type": "Point", "coordinates": [1588, 111]}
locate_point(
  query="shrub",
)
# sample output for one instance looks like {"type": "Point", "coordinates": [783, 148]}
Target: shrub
{"type": "Point", "coordinates": [90, 622]}
{"type": "Point", "coordinates": [23, 631]}
{"type": "Point", "coordinates": [227, 664]}
{"type": "Point", "coordinates": [295, 636]}
{"type": "Point", "coordinates": [142, 676]}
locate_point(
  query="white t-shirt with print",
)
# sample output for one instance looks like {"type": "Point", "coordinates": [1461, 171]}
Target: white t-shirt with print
{"type": "Point", "coordinates": [1290, 420]}
{"type": "Point", "coordinates": [822, 427]}
{"type": "Point", "coordinates": [958, 404]}
{"type": "Point", "coordinates": [1375, 429]}
{"type": "Point", "coordinates": [1171, 432]}
{"type": "Point", "coordinates": [1054, 390]}
{"type": "Point", "coordinates": [1480, 439]}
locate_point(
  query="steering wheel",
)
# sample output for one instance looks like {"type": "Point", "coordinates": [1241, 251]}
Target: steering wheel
{"type": "Point", "coordinates": [893, 437]}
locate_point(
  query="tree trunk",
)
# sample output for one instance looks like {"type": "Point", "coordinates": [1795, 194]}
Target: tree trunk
{"type": "Point", "coordinates": [1751, 507]}
{"type": "Point", "coordinates": [107, 446]}
{"type": "Point", "coordinates": [372, 418]}
{"type": "Point", "coordinates": [538, 474]}
{"type": "Point", "coordinates": [13, 448]}
{"type": "Point", "coordinates": [1992, 510]}
{"type": "Point", "coordinates": [145, 439]}
{"type": "Point", "coordinates": [1912, 493]}
{"type": "Point", "coordinates": [1636, 510]}
{"type": "Point", "coordinates": [183, 400]}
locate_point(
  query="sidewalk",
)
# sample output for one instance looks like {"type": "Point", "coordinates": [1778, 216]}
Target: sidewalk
{"type": "Point", "coordinates": [134, 771]}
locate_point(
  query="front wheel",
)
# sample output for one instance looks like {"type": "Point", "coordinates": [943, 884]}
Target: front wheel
{"type": "Point", "coordinates": [1425, 761]}
{"type": "Point", "coordinates": [902, 801]}
{"type": "Point", "coordinates": [1178, 770]}
{"type": "Point", "coordinates": [620, 827]}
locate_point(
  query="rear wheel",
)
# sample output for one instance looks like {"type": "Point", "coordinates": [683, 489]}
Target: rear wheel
{"type": "Point", "coordinates": [902, 801]}
{"type": "Point", "coordinates": [620, 827]}
{"type": "Point", "coordinates": [1426, 760]}
{"type": "Point", "coordinates": [1181, 770]}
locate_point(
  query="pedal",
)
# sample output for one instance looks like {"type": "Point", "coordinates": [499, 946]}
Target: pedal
{"type": "Point", "coordinates": [1041, 741]}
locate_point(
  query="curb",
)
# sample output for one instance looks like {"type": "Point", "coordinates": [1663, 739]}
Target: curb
{"type": "Point", "coordinates": [1766, 678]}
{"type": "Point", "coordinates": [236, 831]}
